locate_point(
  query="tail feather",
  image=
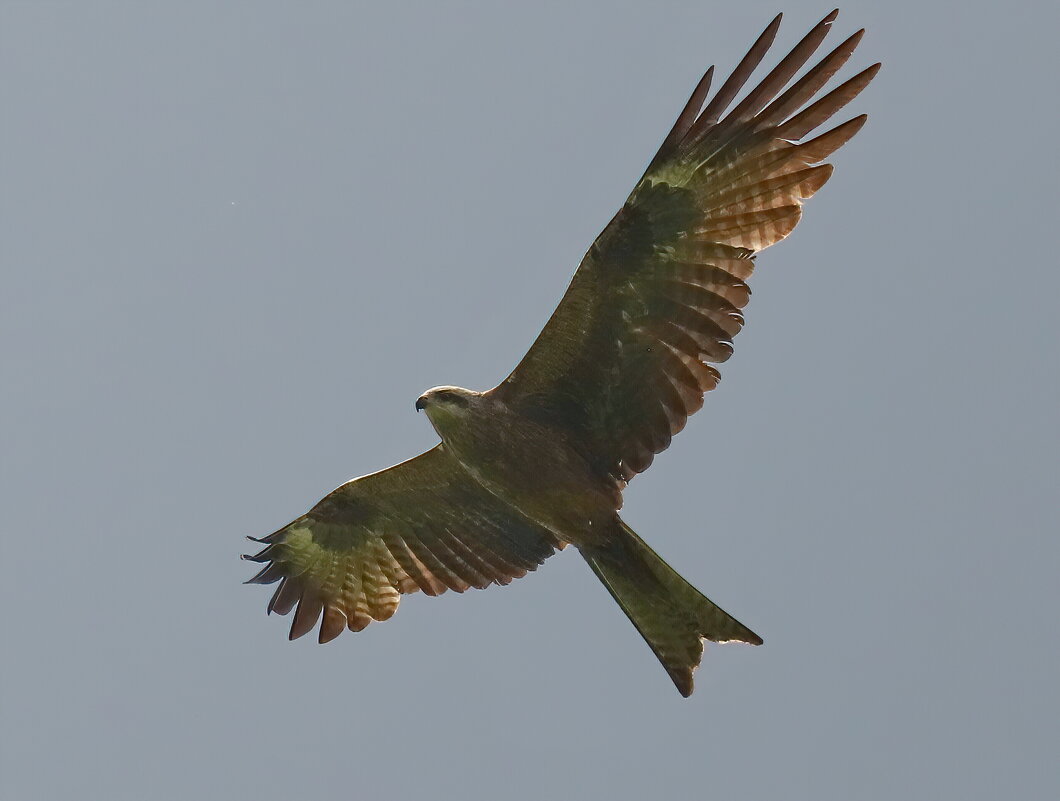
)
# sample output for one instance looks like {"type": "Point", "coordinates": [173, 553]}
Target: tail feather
{"type": "Point", "coordinates": [671, 615]}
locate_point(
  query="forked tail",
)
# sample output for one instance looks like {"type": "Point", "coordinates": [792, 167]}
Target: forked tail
{"type": "Point", "coordinates": [671, 615]}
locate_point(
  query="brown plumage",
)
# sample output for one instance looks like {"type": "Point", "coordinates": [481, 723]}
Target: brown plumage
{"type": "Point", "coordinates": [541, 460]}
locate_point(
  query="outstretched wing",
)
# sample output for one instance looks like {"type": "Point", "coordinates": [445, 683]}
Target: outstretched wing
{"type": "Point", "coordinates": [622, 363]}
{"type": "Point", "coordinates": [424, 524]}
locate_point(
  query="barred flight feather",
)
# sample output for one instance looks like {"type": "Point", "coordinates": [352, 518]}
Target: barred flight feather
{"type": "Point", "coordinates": [348, 561]}
{"type": "Point", "coordinates": [659, 293]}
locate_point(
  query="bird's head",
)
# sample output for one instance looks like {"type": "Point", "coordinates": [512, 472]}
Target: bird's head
{"type": "Point", "coordinates": [447, 404]}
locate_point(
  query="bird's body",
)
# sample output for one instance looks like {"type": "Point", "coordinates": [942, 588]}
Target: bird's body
{"type": "Point", "coordinates": [541, 460]}
{"type": "Point", "coordinates": [528, 465]}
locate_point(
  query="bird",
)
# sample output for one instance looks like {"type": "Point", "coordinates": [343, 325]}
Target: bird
{"type": "Point", "coordinates": [540, 461]}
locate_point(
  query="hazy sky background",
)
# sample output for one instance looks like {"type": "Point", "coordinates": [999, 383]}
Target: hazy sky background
{"type": "Point", "coordinates": [238, 241]}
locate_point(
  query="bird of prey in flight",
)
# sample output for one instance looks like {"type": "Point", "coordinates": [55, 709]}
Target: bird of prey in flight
{"type": "Point", "coordinates": [541, 460]}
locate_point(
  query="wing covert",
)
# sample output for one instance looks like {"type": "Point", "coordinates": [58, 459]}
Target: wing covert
{"type": "Point", "coordinates": [423, 524]}
{"type": "Point", "coordinates": [627, 355]}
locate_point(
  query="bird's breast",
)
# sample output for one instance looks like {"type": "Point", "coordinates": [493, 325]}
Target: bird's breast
{"type": "Point", "coordinates": [532, 467]}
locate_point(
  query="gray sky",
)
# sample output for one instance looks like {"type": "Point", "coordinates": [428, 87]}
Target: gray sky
{"type": "Point", "coordinates": [238, 242]}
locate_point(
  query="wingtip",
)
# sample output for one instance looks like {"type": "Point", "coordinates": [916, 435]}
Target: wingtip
{"type": "Point", "coordinates": [299, 627]}
{"type": "Point", "coordinates": [826, 23]}
{"type": "Point", "coordinates": [773, 27]}
{"type": "Point", "coordinates": [332, 625]}
{"type": "Point", "coordinates": [851, 42]}
{"type": "Point", "coordinates": [264, 555]}
{"type": "Point", "coordinates": [325, 636]}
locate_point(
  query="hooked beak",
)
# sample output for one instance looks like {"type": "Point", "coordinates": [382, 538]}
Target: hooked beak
{"type": "Point", "coordinates": [421, 403]}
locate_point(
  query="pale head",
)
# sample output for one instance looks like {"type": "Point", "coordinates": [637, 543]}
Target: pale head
{"type": "Point", "coordinates": [447, 402]}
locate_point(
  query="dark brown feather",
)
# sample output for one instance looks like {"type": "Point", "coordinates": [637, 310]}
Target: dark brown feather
{"type": "Point", "coordinates": [821, 111]}
{"type": "Point", "coordinates": [621, 363]}
{"type": "Point", "coordinates": [736, 80]}
{"type": "Point", "coordinates": [779, 76]}
{"type": "Point", "coordinates": [810, 83]}
{"type": "Point", "coordinates": [421, 525]}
